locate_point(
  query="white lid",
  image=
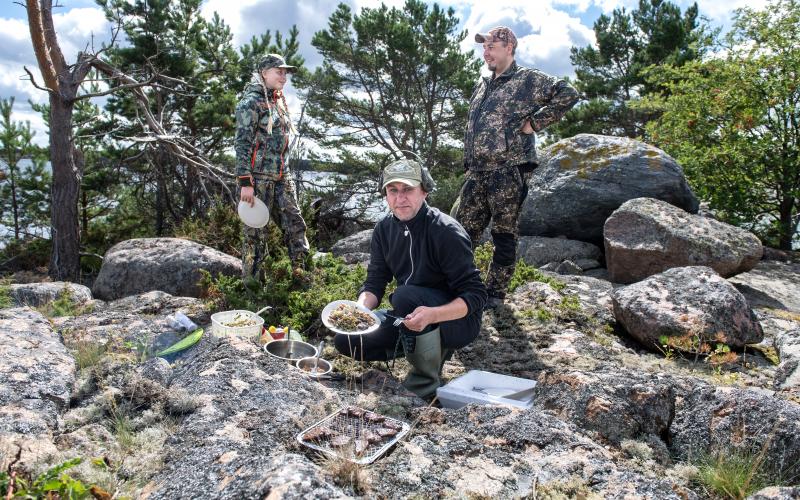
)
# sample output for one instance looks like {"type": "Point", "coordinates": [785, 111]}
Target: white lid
{"type": "Point", "coordinates": [256, 216]}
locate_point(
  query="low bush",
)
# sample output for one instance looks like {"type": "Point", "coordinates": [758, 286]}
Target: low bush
{"type": "Point", "coordinates": [54, 483]}
{"type": "Point", "coordinates": [296, 300]}
{"type": "Point", "coordinates": [523, 273]}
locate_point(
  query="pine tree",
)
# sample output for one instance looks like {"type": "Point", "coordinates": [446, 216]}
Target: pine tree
{"type": "Point", "coordinates": [610, 75]}
{"type": "Point", "coordinates": [391, 79]}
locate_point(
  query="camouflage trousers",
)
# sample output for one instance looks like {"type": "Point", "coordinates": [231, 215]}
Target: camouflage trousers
{"type": "Point", "coordinates": [494, 196]}
{"type": "Point", "coordinates": [281, 199]}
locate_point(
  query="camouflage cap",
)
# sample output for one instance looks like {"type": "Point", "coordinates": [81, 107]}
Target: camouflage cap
{"type": "Point", "coordinates": [406, 171]}
{"type": "Point", "coordinates": [498, 34]}
{"type": "Point", "coordinates": [274, 61]}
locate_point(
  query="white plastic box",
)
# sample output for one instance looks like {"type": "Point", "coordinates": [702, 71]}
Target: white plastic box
{"type": "Point", "coordinates": [487, 388]}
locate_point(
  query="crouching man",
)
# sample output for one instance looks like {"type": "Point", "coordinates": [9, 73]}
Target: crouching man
{"type": "Point", "coordinates": [439, 295]}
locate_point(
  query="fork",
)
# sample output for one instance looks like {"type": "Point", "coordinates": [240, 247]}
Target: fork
{"type": "Point", "coordinates": [397, 320]}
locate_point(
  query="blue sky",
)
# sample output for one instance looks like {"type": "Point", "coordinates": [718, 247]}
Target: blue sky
{"type": "Point", "coordinates": [546, 30]}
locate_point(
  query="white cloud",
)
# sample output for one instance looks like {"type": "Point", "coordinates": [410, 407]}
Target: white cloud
{"type": "Point", "coordinates": [544, 33]}
{"type": "Point", "coordinates": [81, 29]}
{"type": "Point", "coordinates": [230, 12]}
{"type": "Point", "coordinates": [546, 30]}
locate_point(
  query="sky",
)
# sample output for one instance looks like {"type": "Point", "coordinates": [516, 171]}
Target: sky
{"type": "Point", "coordinates": [545, 29]}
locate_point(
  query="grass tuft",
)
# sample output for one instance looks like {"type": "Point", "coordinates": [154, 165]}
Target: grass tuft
{"type": "Point", "coordinates": [732, 474]}
{"type": "Point", "coordinates": [64, 305]}
{"type": "Point", "coordinates": [346, 474]}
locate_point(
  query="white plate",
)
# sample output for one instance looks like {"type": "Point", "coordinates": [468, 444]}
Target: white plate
{"type": "Point", "coordinates": [326, 312]}
{"type": "Point", "coordinates": [256, 216]}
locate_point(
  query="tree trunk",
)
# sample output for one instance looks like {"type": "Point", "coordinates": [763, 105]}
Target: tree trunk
{"type": "Point", "coordinates": [787, 227]}
{"type": "Point", "coordinates": [14, 203]}
{"type": "Point", "coordinates": [67, 173]}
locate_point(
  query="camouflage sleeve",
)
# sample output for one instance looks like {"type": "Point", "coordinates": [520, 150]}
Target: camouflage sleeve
{"type": "Point", "coordinates": [556, 97]}
{"type": "Point", "coordinates": [246, 123]}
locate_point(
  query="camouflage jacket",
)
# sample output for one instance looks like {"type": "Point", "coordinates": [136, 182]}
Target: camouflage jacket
{"type": "Point", "coordinates": [259, 153]}
{"type": "Point", "coordinates": [498, 110]}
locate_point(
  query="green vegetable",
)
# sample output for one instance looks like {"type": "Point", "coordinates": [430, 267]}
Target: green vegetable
{"type": "Point", "coordinates": [184, 343]}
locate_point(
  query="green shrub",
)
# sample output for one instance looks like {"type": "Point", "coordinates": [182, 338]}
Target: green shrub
{"type": "Point", "coordinates": [525, 273]}
{"type": "Point", "coordinates": [25, 254]}
{"type": "Point", "coordinates": [5, 294]}
{"type": "Point", "coordinates": [296, 300]}
{"type": "Point", "coordinates": [54, 483]}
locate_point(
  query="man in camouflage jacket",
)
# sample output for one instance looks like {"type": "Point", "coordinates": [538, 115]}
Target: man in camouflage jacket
{"type": "Point", "coordinates": [263, 127]}
{"type": "Point", "coordinates": [505, 111]}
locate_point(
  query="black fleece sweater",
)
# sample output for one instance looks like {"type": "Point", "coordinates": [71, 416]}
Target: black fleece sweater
{"type": "Point", "coordinates": [431, 250]}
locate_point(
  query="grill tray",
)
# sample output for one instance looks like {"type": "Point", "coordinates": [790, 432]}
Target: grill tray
{"type": "Point", "coordinates": [361, 427]}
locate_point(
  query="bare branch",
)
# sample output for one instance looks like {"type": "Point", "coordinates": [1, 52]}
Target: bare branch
{"type": "Point", "coordinates": [115, 89]}
{"type": "Point", "coordinates": [33, 81]}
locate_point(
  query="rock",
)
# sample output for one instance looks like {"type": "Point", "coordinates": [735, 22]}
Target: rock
{"type": "Point", "coordinates": [354, 249]}
{"type": "Point", "coordinates": [587, 264]}
{"type": "Point", "coordinates": [89, 440]}
{"type": "Point", "coordinates": [617, 406]}
{"type": "Point", "coordinates": [771, 284]}
{"type": "Point", "coordinates": [711, 420]}
{"type": "Point", "coordinates": [537, 292]}
{"type": "Point", "coordinates": [39, 294]}
{"type": "Point", "coordinates": [787, 376]}
{"type": "Point", "coordinates": [537, 251]}
{"type": "Point", "coordinates": [140, 320]}
{"type": "Point", "coordinates": [583, 179]}
{"type": "Point", "coordinates": [156, 369]}
{"type": "Point", "coordinates": [170, 265]}
{"type": "Point", "coordinates": [684, 302]}
{"type": "Point", "coordinates": [37, 375]}
{"type": "Point", "coordinates": [355, 243]}
{"type": "Point", "coordinates": [600, 273]}
{"type": "Point", "coordinates": [499, 452]}
{"type": "Point", "coordinates": [594, 295]}
{"type": "Point", "coordinates": [550, 266]}
{"type": "Point", "coordinates": [240, 441]}
{"type": "Point", "coordinates": [356, 258]}
{"type": "Point", "coordinates": [646, 236]}
{"type": "Point", "coordinates": [776, 493]}
{"type": "Point", "coordinates": [568, 267]}
{"type": "Point", "coordinates": [777, 254]}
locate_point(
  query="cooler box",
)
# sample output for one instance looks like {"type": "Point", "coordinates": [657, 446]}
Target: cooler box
{"type": "Point", "coordinates": [487, 388]}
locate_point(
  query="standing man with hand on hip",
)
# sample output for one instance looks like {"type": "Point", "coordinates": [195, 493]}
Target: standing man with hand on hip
{"type": "Point", "coordinates": [263, 129]}
{"type": "Point", "coordinates": [505, 112]}
{"type": "Point", "coordinates": [439, 295]}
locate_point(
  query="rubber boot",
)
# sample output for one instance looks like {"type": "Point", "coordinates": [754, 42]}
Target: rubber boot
{"type": "Point", "coordinates": [426, 364]}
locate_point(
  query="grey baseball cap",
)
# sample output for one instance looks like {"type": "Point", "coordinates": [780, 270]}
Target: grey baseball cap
{"type": "Point", "coordinates": [408, 172]}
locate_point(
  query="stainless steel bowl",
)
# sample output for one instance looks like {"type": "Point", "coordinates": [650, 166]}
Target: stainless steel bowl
{"type": "Point", "coordinates": [307, 365]}
{"type": "Point", "coordinates": [290, 350]}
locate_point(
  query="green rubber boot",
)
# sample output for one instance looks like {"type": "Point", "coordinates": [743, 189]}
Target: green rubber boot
{"type": "Point", "coordinates": [426, 364]}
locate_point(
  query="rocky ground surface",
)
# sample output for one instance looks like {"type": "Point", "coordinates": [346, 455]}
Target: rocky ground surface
{"type": "Point", "coordinates": [610, 418]}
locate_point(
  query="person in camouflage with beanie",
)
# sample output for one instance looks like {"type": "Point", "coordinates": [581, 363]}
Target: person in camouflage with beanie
{"type": "Point", "coordinates": [263, 128]}
{"type": "Point", "coordinates": [505, 111]}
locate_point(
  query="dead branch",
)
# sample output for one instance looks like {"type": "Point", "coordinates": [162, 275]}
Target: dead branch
{"type": "Point", "coordinates": [33, 81]}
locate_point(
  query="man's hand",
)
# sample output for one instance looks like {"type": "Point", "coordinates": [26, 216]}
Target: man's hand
{"type": "Point", "coordinates": [368, 300]}
{"type": "Point", "coordinates": [420, 318]}
{"type": "Point", "coordinates": [246, 195]}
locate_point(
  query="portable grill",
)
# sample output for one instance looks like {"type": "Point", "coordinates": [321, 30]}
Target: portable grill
{"type": "Point", "coordinates": [354, 434]}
